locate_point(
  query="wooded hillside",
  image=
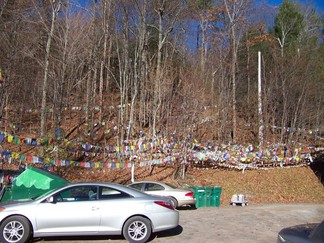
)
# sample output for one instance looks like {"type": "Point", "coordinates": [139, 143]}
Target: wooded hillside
{"type": "Point", "coordinates": [104, 84]}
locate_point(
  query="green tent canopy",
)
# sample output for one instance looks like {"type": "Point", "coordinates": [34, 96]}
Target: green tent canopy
{"type": "Point", "coordinates": [31, 183]}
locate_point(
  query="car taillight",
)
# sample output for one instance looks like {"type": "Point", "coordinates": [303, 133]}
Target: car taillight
{"type": "Point", "coordinates": [189, 194]}
{"type": "Point", "coordinates": [166, 204]}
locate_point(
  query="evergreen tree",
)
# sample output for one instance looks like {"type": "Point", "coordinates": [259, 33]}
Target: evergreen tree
{"type": "Point", "coordinates": [288, 24]}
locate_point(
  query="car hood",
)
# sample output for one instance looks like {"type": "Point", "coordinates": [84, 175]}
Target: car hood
{"type": "Point", "coordinates": [298, 233]}
{"type": "Point", "coordinates": [21, 202]}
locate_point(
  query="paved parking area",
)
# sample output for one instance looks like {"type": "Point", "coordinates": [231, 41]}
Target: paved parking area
{"type": "Point", "coordinates": [250, 224]}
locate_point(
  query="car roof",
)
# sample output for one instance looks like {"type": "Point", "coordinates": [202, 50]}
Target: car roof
{"type": "Point", "coordinates": [121, 187]}
{"type": "Point", "coordinates": [157, 182]}
{"type": "Point", "coordinates": [164, 184]}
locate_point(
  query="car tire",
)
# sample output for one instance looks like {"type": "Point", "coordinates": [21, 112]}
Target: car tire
{"type": "Point", "coordinates": [15, 229]}
{"type": "Point", "coordinates": [137, 229]}
{"type": "Point", "coordinates": [174, 202]}
{"type": "Point", "coordinates": [193, 206]}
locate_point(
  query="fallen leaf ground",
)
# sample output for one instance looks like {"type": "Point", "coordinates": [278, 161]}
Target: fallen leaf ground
{"type": "Point", "coordinates": [277, 185]}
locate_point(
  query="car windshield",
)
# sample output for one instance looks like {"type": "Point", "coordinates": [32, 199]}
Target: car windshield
{"type": "Point", "coordinates": [43, 195]}
{"type": "Point", "coordinates": [318, 232]}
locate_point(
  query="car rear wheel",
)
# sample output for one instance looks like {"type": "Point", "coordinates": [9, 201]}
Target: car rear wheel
{"type": "Point", "coordinates": [137, 230]}
{"type": "Point", "coordinates": [15, 229]}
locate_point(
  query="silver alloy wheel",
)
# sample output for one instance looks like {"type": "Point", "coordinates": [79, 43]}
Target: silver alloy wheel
{"type": "Point", "coordinates": [13, 231]}
{"type": "Point", "coordinates": [137, 230]}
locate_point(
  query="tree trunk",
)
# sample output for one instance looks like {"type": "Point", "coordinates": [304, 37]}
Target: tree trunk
{"type": "Point", "coordinates": [157, 84]}
{"type": "Point", "coordinates": [55, 9]}
{"type": "Point", "coordinates": [105, 26]}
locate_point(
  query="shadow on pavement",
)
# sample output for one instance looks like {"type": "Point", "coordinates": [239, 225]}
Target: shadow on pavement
{"type": "Point", "coordinates": [79, 238]}
{"type": "Point", "coordinates": [186, 208]}
{"type": "Point", "coordinates": [167, 233]}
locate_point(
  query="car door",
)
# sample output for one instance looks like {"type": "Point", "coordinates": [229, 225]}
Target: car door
{"type": "Point", "coordinates": [116, 206]}
{"type": "Point", "coordinates": [73, 210]}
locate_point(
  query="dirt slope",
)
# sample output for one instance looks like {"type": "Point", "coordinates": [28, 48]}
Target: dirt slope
{"type": "Point", "coordinates": [279, 185]}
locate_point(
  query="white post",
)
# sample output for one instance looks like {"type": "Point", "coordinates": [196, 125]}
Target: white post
{"type": "Point", "coordinates": [260, 101]}
{"type": "Point", "coordinates": [133, 172]}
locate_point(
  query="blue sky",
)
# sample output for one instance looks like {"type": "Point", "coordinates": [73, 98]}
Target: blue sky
{"type": "Point", "coordinates": [319, 4]}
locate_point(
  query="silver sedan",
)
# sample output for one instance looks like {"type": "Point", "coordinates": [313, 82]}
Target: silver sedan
{"type": "Point", "coordinates": [87, 209]}
{"type": "Point", "coordinates": [179, 196]}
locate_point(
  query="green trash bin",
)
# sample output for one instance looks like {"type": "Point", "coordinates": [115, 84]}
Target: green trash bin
{"type": "Point", "coordinates": [199, 193]}
{"type": "Point", "coordinates": [215, 199]}
{"type": "Point", "coordinates": [208, 196]}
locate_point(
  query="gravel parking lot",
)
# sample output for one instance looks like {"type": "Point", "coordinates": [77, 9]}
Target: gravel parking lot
{"type": "Point", "coordinates": [253, 223]}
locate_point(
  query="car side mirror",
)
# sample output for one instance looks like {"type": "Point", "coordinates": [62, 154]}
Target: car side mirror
{"type": "Point", "coordinates": [50, 199]}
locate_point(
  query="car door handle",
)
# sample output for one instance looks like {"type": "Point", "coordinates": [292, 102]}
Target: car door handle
{"type": "Point", "coordinates": [94, 208]}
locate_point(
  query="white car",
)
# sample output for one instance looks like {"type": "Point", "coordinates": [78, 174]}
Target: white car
{"type": "Point", "coordinates": [179, 196]}
{"type": "Point", "coordinates": [83, 209]}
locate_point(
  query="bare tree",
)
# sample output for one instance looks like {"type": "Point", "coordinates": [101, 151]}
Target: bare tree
{"type": "Point", "coordinates": [163, 9]}
{"type": "Point", "coordinates": [140, 64]}
{"type": "Point", "coordinates": [56, 6]}
{"type": "Point", "coordinates": [104, 63]}
{"type": "Point", "coordinates": [236, 15]}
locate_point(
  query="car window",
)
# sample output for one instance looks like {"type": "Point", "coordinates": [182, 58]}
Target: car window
{"type": "Point", "coordinates": [137, 186]}
{"type": "Point", "coordinates": [153, 187]}
{"type": "Point", "coordinates": [77, 193]}
{"type": "Point", "coordinates": [111, 193]}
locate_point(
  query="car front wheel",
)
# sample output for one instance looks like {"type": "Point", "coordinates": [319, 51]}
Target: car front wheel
{"type": "Point", "coordinates": [15, 229]}
{"type": "Point", "coordinates": [137, 230]}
